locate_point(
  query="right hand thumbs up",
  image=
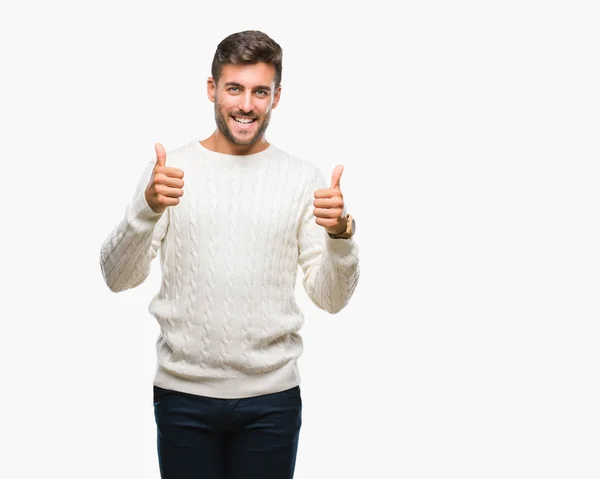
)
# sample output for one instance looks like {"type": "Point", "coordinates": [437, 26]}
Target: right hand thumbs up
{"type": "Point", "coordinates": [161, 155]}
{"type": "Point", "coordinates": [165, 186]}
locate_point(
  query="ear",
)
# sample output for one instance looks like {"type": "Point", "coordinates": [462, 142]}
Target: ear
{"type": "Point", "coordinates": [276, 97]}
{"type": "Point", "coordinates": [211, 88]}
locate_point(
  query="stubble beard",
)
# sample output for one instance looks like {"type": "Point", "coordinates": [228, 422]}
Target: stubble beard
{"type": "Point", "coordinates": [227, 133]}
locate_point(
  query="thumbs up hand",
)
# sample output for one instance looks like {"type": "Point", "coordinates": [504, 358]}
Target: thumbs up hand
{"type": "Point", "coordinates": [329, 205]}
{"type": "Point", "coordinates": [165, 186]}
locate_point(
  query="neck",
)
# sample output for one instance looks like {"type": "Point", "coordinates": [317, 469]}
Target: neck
{"type": "Point", "coordinates": [219, 144]}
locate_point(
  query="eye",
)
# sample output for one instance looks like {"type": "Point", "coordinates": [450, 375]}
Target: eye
{"type": "Point", "coordinates": [233, 89]}
{"type": "Point", "coordinates": [261, 92]}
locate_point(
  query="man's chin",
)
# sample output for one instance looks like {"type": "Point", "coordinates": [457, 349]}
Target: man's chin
{"type": "Point", "coordinates": [242, 140]}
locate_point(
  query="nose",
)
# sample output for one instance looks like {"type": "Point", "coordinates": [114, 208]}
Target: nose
{"type": "Point", "coordinates": [246, 105]}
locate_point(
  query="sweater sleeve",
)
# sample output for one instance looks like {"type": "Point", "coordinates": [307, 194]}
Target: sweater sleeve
{"type": "Point", "coordinates": [127, 252]}
{"type": "Point", "coordinates": [330, 266]}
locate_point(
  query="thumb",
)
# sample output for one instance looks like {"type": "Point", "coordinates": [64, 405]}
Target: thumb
{"type": "Point", "coordinates": [336, 176]}
{"type": "Point", "coordinates": [161, 155]}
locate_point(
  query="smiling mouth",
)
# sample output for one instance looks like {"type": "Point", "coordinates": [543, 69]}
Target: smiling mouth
{"type": "Point", "coordinates": [244, 120]}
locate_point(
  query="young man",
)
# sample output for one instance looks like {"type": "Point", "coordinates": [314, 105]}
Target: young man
{"type": "Point", "coordinates": [226, 390]}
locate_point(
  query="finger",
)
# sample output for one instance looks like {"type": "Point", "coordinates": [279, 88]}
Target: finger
{"type": "Point", "coordinates": [327, 212]}
{"type": "Point", "coordinates": [336, 176]}
{"type": "Point", "coordinates": [335, 202]}
{"type": "Point", "coordinates": [169, 192]}
{"type": "Point", "coordinates": [327, 193]}
{"type": "Point", "coordinates": [169, 171]}
{"type": "Point", "coordinates": [170, 181]}
{"type": "Point", "coordinates": [327, 223]}
{"type": "Point", "coordinates": [168, 201]}
{"type": "Point", "coordinates": [161, 155]}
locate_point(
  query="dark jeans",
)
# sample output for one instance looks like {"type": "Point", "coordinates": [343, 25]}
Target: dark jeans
{"type": "Point", "coordinates": [208, 438]}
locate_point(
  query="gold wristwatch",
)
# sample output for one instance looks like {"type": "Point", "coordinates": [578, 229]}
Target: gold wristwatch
{"type": "Point", "coordinates": [350, 229]}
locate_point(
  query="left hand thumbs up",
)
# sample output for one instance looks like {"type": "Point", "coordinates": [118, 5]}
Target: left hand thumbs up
{"type": "Point", "coordinates": [329, 204]}
{"type": "Point", "coordinates": [336, 176]}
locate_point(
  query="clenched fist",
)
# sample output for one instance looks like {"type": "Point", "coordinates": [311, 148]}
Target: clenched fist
{"type": "Point", "coordinates": [329, 205]}
{"type": "Point", "coordinates": [165, 186]}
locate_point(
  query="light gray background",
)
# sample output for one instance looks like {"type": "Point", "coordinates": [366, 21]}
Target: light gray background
{"type": "Point", "coordinates": [469, 133]}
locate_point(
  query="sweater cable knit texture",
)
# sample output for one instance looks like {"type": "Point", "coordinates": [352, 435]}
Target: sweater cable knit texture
{"type": "Point", "coordinates": [229, 257]}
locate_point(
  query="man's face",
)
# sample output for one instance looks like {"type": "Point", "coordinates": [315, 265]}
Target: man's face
{"type": "Point", "coordinates": [244, 98]}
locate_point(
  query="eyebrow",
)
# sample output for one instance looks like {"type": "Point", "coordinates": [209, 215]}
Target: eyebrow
{"type": "Point", "coordinates": [259, 87]}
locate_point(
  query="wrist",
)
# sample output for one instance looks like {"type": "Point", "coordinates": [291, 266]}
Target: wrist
{"type": "Point", "coordinates": [349, 230]}
{"type": "Point", "coordinates": [340, 229]}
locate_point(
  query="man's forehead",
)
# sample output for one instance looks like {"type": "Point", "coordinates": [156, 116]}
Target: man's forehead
{"type": "Point", "coordinates": [249, 76]}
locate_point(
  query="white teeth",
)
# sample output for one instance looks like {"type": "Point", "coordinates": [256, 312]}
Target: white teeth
{"type": "Point", "coordinates": [244, 120]}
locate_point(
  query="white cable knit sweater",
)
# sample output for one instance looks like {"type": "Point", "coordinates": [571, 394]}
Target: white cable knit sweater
{"type": "Point", "coordinates": [229, 254]}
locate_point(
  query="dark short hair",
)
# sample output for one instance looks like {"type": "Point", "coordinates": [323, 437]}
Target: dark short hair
{"type": "Point", "coordinates": [247, 48]}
